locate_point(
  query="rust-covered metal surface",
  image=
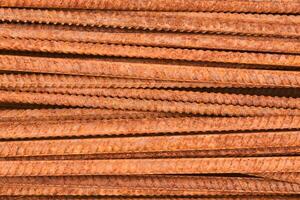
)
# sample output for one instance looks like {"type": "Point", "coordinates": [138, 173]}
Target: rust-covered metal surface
{"type": "Point", "coordinates": [150, 99]}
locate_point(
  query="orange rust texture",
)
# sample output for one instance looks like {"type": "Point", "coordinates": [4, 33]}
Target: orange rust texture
{"type": "Point", "coordinates": [151, 144]}
{"type": "Point", "coordinates": [185, 73]}
{"type": "Point", "coordinates": [141, 105]}
{"type": "Point", "coordinates": [248, 6]}
{"type": "Point", "coordinates": [142, 38]}
{"type": "Point", "coordinates": [30, 81]}
{"type": "Point", "coordinates": [146, 126]}
{"type": "Point", "coordinates": [150, 166]}
{"type": "Point", "coordinates": [242, 197]}
{"type": "Point", "coordinates": [287, 177]}
{"type": "Point", "coordinates": [150, 99]}
{"type": "Point", "coordinates": [273, 151]}
{"type": "Point", "coordinates": [273, 25]}
{"type": "Point", "coordinates": [174, 95]}
{"type": "Point", "coordinates": [146, 185]}
{"type": "Point", "coordinates": [130, 51]}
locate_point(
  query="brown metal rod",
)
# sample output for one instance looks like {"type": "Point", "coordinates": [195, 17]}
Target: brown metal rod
{"type": "Point", "coordinates": [176, 95]}
{"type": "Point", "coordinates": [273, 25]}
{"type": "Point", "coordinates": [146, 185]}
{"type": "Point", "coordinates": [140, 104]}
{"type": "Point", "coordinates": [142, 38]}
{"type": "Point", "coordinates": [249, 6]}
{"type": "Point", "coordinates": [21, 115]}
{"type": "Point", "coordinates": [150, 144]}
{"type": "Point", "coordinates": [98, 67]}
{"type": "Point", "coordinates": [150, 166]}
{"type": "Point", "coordinates": [169, 125]}
{"type": "Point", "coordinates": [250, 152]}
{"type": "Point", "coordinates": [131, 51]}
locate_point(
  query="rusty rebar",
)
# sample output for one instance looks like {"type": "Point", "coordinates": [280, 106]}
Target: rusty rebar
{"type": "Point", "coordinates": [19, 115]}
{"type": "Point", "coordinates": [40, 80]}
{"type": "Point", "coordinates": [274, 25]}
{"type": "Point", "coordinates": [37, 80]}
{"type": "Point", "coordinates": [134, 100]}
{"type": "Point", "coordinates": [176, 95]}
{"type": "Point", "coordinates": [150, 166]}
{"type": "Point", "coordinates": [251, 152]}
{"type": "Point", "coordinates": [249, 6]}
{"type": "Point", "coordinates": [139, 38]}
{"type": "Point", "coordinates": [98, 67]}
{"type": "Point", "coordinates": [140, 104]}
{"type": "Point", "coordinates": [287, 177]}
{"type": "Point", "coordinates": [149, 52]}
{"type": "Point", "coordinates": [240, 197]}
{"type": "Point", "coordinates": [150, 126]}
{"type": "Point", "coordinates": [146, 185]}
{"type": "Point", "coordinates": [150, 144]}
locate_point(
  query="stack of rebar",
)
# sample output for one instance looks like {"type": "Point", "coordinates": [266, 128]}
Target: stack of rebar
{"type": "Point", "coordinates": [150, 99]}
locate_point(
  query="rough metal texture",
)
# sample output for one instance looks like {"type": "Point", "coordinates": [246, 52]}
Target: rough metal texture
{"type": "Point", "coordinates": [150, 166]}
{"type": "Point", "coordinates": [146, 185]}
{"type": "Point", "coordinates": [36, 80]}
{"type": "Point", "coordinates": [149, 52]}
{"type": "Point", "coordinates": [142, 38]}
{"type": "Point", "coordinates": [150, 144]}
{"type": "Point", "coordinates": [176, 95]}
{"type": "Point", "coordinates": [98, 67]}
{"type": "Point", "coordinates": [141, 104]}
{"type": "Point", "coordinates": [251, 152]}
{"type": "Point", "coordinates": [277, 6]}
{"type": "Point", "coordinates": [19, 115]}
{"type": "Point", "coordinates": [165, 125]}
{"type": "Point", "coordinates": [103, 99]}
{"type": "Point", "coordinates": [287, 177]}
{"type": "Point", "coordinates": [286, 26]}
{"type": "Point", "coordinates": [240, 197]}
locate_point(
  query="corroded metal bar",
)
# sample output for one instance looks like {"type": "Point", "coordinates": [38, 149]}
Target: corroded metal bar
{"type": "Point", "coordinates": [141, 38]}
{"type": "Point", "coordinates": [150, 166]}
{"type": "Point", "coordinates": [38, 80]}
{"type": "Point", "coordinates": [249, 6]}
{"type": "Point", "coordinates": [286, 26]}
{"type": "Point", "coordinates": [152, 126]}
{"type": "Point", "coordinates": [131, 51]}
{"type": "Point", "coordinates": [98, 67]}
{"type": "Point", "coordinates": [150, 144]}
{"type": "Point", "coordinates": [251, 152]}
{"type": "Point", "coordinates": [141, 104]}
{"type": "Point", "coordinates": [146, 185]}
{"type": "Point", "coordinates": [287, 177]}
{"type": "Point", "coordinates": [19, 115]}
{"type": "Point", "coordinates": [176, 95]}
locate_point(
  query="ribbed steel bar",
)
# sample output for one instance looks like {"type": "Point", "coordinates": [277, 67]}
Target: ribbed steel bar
{"type": "Point", "coordinates": [240, 197]}
{"type": "Point", "coordinates": [288, 177]}
{"type": "Point", "coordinates": [38, 80]}
{"type": "Point", "coordinates": [165, 125]}
{"type": "Point", "coordinates": [131, 51]}
{"type": "Point", "coordinates": [140, 104]}
{"type": "Point", "coordinates": [150, 166]}
{"type": "Point", "coordinates": [19, 115]}
{"type": "Point", "coordinates": [176, 95]}
{"type": "Point", "coordinates": [251, 152]}
{"type": "Point", "coordinates": [142, 38]}
{"type": "Point", "coordinates": [150, 144]}
{"type": "Point", "coordinates": [98, 67]}
{"type": "Point", "coordinates": [146, 186]}
{"type": "Point", "coordinates": [248, 6]}
{"type": "Point", "coordinates": [285, 26]}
